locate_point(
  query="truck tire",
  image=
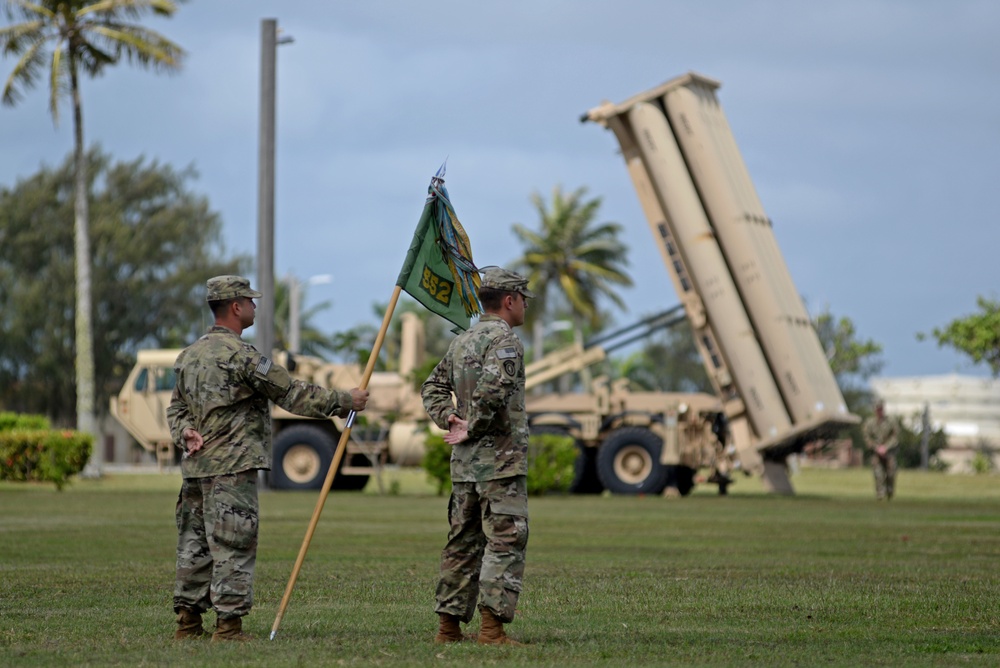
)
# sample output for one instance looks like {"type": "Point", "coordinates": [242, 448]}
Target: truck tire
{"type": "Point", "coordinates": [302, 458]}
{"type": "Point", "coordinates": [628, 462]}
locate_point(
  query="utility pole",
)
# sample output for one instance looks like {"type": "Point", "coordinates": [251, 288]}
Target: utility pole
{"type": "Point", "coordinates": [264, 320]}
{"type": "Point", "coordinates": [264, 335]}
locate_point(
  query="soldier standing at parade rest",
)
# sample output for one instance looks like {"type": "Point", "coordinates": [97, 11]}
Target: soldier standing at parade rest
{"type": "Point", "coordinates": [219, 416]}
{"type": "Point", "coordinates": [881, 435]}
{"type": "Point", "coordinates": [483, 560]}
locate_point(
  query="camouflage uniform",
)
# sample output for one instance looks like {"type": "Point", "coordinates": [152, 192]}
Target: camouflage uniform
{"type": "Point", "coordinates": [882, 432]}
{"type": "Point", "coordinates": [483, 560]}
{"type": "Point", "coordinates": [222, 392]}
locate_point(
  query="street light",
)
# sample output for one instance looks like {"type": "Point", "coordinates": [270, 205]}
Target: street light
{"type": "Point", "coordinates": [541, 329]}
{"type": "Point", "coordinates": [295, 306]}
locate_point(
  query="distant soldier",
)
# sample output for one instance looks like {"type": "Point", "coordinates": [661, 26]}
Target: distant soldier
{"type": "Point", "coordinates": [483, 561]}
{"type": "Point", "coordinates": [881, 436]}
{"type": "Point", "coordinates": [219, 416]}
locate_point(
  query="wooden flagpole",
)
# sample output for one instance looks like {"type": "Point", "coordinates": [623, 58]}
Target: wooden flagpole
{"type": "Point", "coordinates": [334, 465]}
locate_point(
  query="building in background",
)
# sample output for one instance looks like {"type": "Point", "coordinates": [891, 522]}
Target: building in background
{"type": "Point", "coordinates": [966, 408]}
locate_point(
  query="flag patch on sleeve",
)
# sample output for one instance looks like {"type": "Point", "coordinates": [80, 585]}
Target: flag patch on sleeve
{"type": "Point", "coordinates": [263, 366]}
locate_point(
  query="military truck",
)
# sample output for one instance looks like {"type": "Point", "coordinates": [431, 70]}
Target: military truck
{"type": "Point", "coordinates": [630, 442]}
{"type": "Point", "coordinates": [751, 327]}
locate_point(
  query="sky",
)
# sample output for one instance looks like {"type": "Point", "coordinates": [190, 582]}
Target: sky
{"type": "Point", "coordinates": [870, 128]}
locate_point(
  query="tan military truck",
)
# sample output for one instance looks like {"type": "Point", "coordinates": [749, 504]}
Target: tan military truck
{"type": "Point", "coordinates": [630, 442]}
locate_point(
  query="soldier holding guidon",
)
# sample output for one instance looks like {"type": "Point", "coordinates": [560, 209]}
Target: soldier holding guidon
{"type": "Point", "coordinates": [219, 416]}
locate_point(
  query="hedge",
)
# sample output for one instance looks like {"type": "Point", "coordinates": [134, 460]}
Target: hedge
{"type": "Point", "coordinates": [550, 463]}
{"type": "Point", "coordinates": [11, 421]}
{"type": "Point", "coordinates": [43, 455]}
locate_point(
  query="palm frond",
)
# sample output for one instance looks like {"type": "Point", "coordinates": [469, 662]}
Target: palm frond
{"type": "Point", "coordinates": [139, 46]}
{"type": "Point", "coordinates": [12, 38]}
{"type": "Point", "coordinates": [24, 74]}
{"type": "Point", "coordinates": [26, 9]}
{"type": "Point", "coordinates": [57, 77]}
{"type": "Point", "coordinates": [133, 9]}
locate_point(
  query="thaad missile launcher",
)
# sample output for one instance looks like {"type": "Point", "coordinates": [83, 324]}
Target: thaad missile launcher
{"type": "Point", "coordinates": [751, 326]}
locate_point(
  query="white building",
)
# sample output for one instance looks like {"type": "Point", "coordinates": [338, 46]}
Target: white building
{"type": "Point", "coordinates": [967, 408]}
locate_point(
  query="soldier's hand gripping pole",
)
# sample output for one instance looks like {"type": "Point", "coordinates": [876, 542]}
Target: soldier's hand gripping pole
{"type": "Point", "coordinates": [334, 465]}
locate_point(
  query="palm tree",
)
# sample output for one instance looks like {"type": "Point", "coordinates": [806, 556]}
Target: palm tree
{"type": "Point", "coordinates": [85, 37]}
{"type": "Point", "coordinates": [571, 258]}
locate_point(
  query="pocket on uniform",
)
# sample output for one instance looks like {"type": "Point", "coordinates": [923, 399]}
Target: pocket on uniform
{"type": "Point", "coordinates": [234, 528]}
{"type": "Point", "coordinates": [508, 496]}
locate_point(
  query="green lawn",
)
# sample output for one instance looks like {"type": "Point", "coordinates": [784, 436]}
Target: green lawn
{"type": "Point", "coordinates": [828, 577]}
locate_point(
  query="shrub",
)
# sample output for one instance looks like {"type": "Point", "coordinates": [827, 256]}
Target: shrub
{"type": "Point", "coordinates": [982, 463]}
{"type": "Point", "coordinates": [550, 463]}
{"type": "Point", "coordinates": [43, 455]}
{"type": "Point", "coordinates": [437, 462]}
{"type": "Point", "coordinates": [908, 452]}
{"type": "Point", "coordinates": [11, 421]}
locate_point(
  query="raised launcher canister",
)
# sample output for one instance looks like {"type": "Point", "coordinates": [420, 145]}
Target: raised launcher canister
{"type": "Point", "coordinates": [751, 326]}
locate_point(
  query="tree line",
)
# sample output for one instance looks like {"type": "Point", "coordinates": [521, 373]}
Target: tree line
{"type": "Point", "coordinates": [153, 241]}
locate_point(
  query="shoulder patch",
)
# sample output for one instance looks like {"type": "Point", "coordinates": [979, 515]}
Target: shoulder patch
{"type": "Point", "coordinates": [507, 353]}
{"type": "Point", "coordinates": [263, 366]}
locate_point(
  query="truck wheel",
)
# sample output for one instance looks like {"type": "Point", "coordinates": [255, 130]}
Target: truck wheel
{"type": "Point", "coordinates": [302, 457]}
{"type": "Point", "coordinates": [628, 462]}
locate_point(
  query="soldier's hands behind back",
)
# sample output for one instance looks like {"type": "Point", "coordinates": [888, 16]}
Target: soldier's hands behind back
{"type": "Point", "coordinates": [192, 440]}
{"type": "Point", "coordinates": [458, 430]}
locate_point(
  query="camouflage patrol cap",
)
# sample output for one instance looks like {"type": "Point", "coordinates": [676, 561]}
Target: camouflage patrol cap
{"type": "Point", "coordinates": [229, 287]}
{"type": "Point", "coordinates": [502, 279]}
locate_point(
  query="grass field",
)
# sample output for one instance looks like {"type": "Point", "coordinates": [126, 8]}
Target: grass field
{"type": "Point", "coordinates": [826, 578]}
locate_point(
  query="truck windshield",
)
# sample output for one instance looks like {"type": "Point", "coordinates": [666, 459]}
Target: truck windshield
{"type": "Point", "coordinates": [164, 379]}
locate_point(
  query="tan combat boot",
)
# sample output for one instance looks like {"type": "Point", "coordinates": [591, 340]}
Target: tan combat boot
{"type": "Point", "coordinates": [449, 631]}
{"type": "Point", "coordinates": [188, 625]}
{"type": "Point", "coordinates": [491, 632]}
{"type": "Point", "coordinates": [230, 629]}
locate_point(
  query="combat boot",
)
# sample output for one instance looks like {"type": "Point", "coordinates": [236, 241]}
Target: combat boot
{"type": "Point", "coordinates": [230, 629]}
{"type": "Point", "coordinates": [491, 632]}
{"type": "Point", "coordinates": [449, 630]}
{"type": "Point", "coordinates": [188, 625]}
